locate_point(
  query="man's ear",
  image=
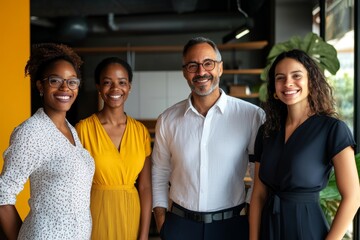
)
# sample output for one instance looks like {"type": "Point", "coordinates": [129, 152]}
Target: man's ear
{"type": "Point", "coordinates": [221, 68]}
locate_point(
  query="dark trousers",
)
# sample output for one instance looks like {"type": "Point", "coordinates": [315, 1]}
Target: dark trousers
{"type": "Point", "coordinates": [180, 228]}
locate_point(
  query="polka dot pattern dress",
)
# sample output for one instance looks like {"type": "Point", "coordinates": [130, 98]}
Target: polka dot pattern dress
{"type": "Point", "coordinates": [60, 180]}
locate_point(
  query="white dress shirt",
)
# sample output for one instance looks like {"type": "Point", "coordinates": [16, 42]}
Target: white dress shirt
{"type": "Point", "coordinates": [204, 159]}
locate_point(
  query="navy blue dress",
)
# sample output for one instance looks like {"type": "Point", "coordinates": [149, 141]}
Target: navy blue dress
{"type": "Point", "coordinates": [294, 173]}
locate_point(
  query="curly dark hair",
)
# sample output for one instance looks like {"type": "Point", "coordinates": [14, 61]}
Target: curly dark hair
{"type": "Point", "coordinates": [321, 100]}
{"type": "Point", "coordinates": [44, 54]}
{"type": "Point", "coordinates": [111, 60]}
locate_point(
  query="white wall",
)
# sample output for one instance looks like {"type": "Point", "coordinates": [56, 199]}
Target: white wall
{"type": "Point", "coordinates": [154, 91]}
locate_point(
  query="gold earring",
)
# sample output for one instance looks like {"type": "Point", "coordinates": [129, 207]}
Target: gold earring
{"type": "Point", "coordinates": [275, 96]}
{"type": "Point", "coordinates": [41, 94]}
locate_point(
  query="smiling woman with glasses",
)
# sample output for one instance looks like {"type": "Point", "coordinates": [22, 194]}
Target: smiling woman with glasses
{"type": "Point", "coordinates": [46, 149]}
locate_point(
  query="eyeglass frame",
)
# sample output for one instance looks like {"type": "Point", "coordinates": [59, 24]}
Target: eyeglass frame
{"type": "Point", "coordinates": [185, 66]}
{"type": "Point", "coordinates": [62, 82]}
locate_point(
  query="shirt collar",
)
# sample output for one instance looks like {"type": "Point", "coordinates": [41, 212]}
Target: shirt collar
{"type": "Point", "coordinates": [220, 103]}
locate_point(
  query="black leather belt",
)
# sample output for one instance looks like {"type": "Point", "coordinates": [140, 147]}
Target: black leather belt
{"type": "Point", "coordinates": [208, 217]}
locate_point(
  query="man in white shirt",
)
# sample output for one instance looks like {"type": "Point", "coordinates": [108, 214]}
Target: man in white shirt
{"type": "Point", "coordinates": [201, 153]}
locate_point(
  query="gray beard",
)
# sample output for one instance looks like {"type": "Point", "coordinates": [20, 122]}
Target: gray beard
{"type": "Point", "coordinates": [214, 85]}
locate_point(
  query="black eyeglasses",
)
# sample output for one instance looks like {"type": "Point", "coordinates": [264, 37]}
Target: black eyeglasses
{"type": "Point", "coordinates": [193, 67]}
{"type": "Point", "coordinates": [56, 82]}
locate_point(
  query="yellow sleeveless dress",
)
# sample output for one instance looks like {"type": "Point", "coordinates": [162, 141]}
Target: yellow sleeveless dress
{"type": "Point", "coordinates": [115, 204]}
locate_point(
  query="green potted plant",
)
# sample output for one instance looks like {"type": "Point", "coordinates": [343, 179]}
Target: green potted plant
{"type": "Point", "coordinates": [324, 53]}
{"type": "Point", "coordinates": [330, 197]}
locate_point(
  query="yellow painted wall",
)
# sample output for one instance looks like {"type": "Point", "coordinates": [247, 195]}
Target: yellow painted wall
{"type": "Point", "coordinates": [15, 104]}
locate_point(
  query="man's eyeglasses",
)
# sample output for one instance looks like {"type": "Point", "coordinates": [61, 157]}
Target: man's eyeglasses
{"type": "Point", "coordinates": [193, 67]}
{"type": "Point", "coordinates": [56, 82]}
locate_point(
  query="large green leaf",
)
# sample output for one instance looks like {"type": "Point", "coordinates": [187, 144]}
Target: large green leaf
{"type": "Point", "coordinates": [262, 92]}
{"type": "Point", "coordinates": [330, 192]}
{"type": "Point", "coordinates": [322, 52]}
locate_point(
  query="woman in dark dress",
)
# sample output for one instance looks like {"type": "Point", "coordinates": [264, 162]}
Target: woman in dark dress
{"type": "Point", "coordinates": [296, 148]}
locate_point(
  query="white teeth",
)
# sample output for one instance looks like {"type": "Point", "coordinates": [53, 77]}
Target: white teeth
{"type": "Point", "coordinates": [63, 97]}
{"type": "Point", "coordinates": [202, 81]}
{"type": "Point", "coordinates": [290, 92]}
{"type": "Point", "coordinates": [116, 96]}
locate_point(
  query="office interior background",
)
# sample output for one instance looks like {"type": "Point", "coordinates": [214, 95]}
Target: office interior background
{"type": "Point", "coordinates": [150, 35]}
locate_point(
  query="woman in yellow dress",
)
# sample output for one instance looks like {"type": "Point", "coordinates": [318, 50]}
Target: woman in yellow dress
{"type": "Point", "coordinates": [121, 191]}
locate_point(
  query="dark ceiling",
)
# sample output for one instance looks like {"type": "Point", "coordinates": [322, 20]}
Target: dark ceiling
{"type": "Point", "coordinates": [79, 18]}
{"type": "Point", "coordinates": [56, 8]}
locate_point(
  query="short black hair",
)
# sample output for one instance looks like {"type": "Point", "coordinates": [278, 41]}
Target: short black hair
{"type": "Point", "coordinates": [108, 61]}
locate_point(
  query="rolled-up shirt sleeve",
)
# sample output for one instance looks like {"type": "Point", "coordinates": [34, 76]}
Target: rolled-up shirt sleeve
{"type": "Point", "coordinates": [160, 166]}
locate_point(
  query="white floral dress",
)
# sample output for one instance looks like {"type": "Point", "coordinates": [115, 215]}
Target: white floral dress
{"type": "Point", "coordinates": [60, 180]}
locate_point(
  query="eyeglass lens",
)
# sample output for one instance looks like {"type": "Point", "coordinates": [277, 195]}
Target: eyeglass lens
{"type": "Point", "coordinates": [208, 65]}
{"type": "Point", "coordinates": [56, 82]}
